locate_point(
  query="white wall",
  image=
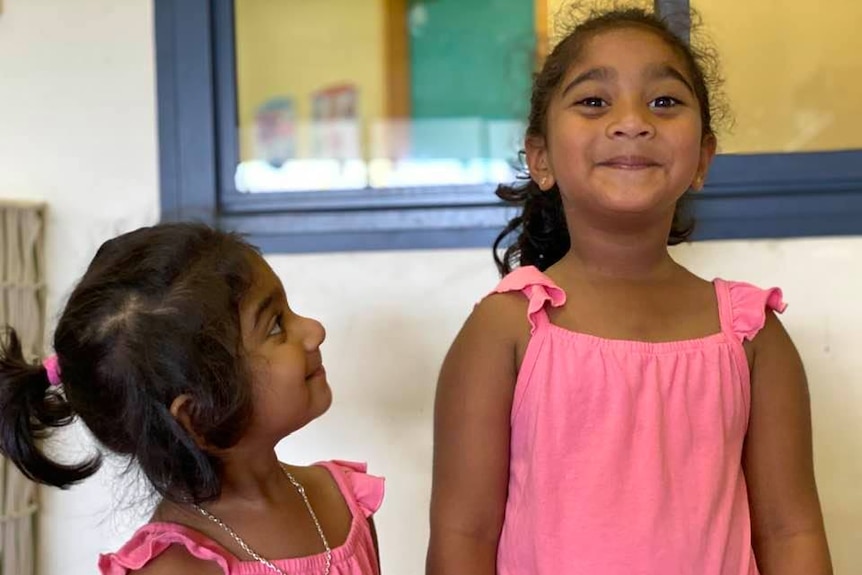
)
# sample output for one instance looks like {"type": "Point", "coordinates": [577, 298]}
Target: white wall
{"type": "Point", "coordinates": [77, 129]}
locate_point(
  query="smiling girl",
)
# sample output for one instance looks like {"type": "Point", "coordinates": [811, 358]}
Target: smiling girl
{"type": "Point", "coordinates": [605, 411]}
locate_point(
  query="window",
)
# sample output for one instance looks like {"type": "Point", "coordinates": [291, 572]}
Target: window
{"type": "Point", "coordinates": [380, 124]}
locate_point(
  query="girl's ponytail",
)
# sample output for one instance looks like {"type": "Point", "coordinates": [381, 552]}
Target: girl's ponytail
{"type": "Point", "coordinates": [30, 406]}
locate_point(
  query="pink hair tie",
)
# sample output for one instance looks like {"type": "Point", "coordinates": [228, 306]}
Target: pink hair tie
{"type": "Point", "coordinates": [52, 366]}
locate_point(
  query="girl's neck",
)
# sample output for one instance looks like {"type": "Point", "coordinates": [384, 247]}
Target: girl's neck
{"type": "Point", "coordinates": [248, 485]}
{"type": "Point", "coordinates": [253, 480]}
{"type": "Point", "coordinates": [619, 254]}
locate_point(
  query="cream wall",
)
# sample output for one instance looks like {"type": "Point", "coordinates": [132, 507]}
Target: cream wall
{"type": "Point", "coordinates": [77, 129]}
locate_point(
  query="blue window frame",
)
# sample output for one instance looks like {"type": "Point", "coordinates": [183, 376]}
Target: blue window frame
{"type": "Point", "coordinates": [747, 196]}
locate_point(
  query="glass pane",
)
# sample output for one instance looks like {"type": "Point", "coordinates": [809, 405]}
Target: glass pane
{"type": "Point", "coordinates": [341, 94]}
{"type": "Point", "coordinates": [794, 72]}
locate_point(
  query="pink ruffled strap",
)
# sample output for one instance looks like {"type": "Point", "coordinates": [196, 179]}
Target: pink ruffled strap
{"type": "Point", "coordinates": [359, 488]}
{"type": "Point", "coordinates": [744, 307]}
{"type": "Point", "coordinates": [153, 539]}
{"type": "Point", "coordinates": [539, 290]}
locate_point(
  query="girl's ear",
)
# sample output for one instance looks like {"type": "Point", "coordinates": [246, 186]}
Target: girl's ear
{"type": "Point", "coordinates": [707, 152]}
{"type": "Point", "coordinates": [538, 162]}
{"type": "Point", "coordinates": [181, 410]}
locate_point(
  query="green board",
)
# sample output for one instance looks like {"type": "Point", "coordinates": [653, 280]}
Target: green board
{"type": "Point", "coordinates": [471, 58]}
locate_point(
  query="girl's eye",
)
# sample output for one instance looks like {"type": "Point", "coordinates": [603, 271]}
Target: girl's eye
{"type": "Point", "coordinates": [592, 102]}
{"type": "Point", "coordinates": [276, 327]}
{"type": "Point", "coordinates": [665, 102]}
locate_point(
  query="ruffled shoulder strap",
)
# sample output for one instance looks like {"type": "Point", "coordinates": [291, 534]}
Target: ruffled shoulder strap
{"type": "Point", "coordinates": [363, 492]}
{"type": "Point", "coordinates": [539, 290]}
{"type": "Point", "coordinates": [743, 307]}
{"type": "Point", "coordinates": [153, 539]}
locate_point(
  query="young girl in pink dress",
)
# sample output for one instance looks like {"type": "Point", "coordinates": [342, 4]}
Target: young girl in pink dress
{"type": "Point", "coordinates": [179, 351]}
{"type": "Point", "coordinates": [605, 411]}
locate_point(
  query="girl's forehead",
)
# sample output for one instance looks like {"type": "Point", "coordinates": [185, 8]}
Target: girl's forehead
{"type": "Point", "coordinates": [628, 46]}
{"type": "Point", "coordinates": [264, 281]}
{"type": "Point", "coordinates": [269, 282]}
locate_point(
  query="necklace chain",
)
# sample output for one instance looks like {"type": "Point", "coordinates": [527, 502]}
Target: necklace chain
{"type": "Point", "coordinates": [254, 554]}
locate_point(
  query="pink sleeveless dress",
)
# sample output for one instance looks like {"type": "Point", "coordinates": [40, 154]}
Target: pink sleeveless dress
{"type": "Point", "coordinates": [626, 455]}
{"type": "Point", "coordinates": [363, 494]}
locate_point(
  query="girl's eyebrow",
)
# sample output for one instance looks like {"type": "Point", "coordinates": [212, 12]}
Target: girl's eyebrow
{"type": "Point", "coordinates": [598, 74]}
{"type": "Point", "coordinates": [652, 73]}
{"type": "Point", "coordinates": [264, 304]}
{"type": "Point", "coordinates": [667, 71]}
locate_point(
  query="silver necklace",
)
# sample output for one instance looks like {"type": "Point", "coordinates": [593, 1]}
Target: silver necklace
{"type": "Point", "coordinates": [254, 554]}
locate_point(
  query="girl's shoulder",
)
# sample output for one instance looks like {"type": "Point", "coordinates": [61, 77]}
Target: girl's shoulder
{"type": "Point", "coordinates": [163, 547]}
{"type": "Point", "coordinates": [511, 305]}
{"type": "Point", "coordinates": [746, 307]}
{"type": "Point", "coordinates": [497, 325]}
{"type": "Point", "coordinates": [363, 492]}
{"type": "Point", "coordinates": [177, 560]}
{"type": "Point", "coordinates": [520, 293]}
{"type": "Point", "coordinates": [527, 280]}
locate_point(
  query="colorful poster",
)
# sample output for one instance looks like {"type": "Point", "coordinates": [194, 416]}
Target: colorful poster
{"type": "Point", "coordinates": [336, 130]}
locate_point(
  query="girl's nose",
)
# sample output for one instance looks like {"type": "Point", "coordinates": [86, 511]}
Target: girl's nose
{"type": "Point", "coordinates": [314, 334]}
{"type": "Point", "coordinates": [630, 121]}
